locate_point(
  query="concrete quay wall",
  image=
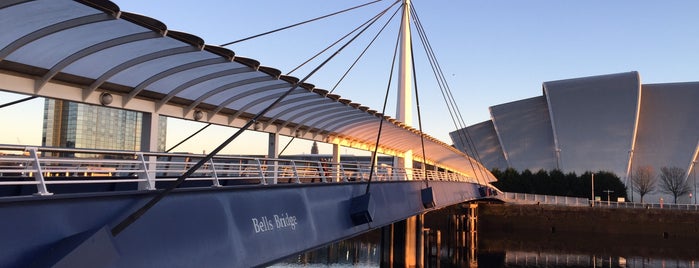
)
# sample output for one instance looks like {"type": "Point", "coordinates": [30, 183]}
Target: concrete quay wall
{"type": "Point", "coordinates": [549, 219]}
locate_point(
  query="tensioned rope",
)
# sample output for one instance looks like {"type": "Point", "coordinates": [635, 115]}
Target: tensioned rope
{"type": "Point", "coordinates": [364, 51]}
{"type": "Point", "coordinates": [269, 32]}
{"type": "Point", "coordinates": [383, 111]}
{"type": "Point", "coordinates": [126, 222]}
{"type": "Point", "coordinates": [446, 92]}
{"type": "Point", "coordinates": [334, 43]}
{"type": "Point", "coordinates": [419, 118]}
{"type": "Point", "coordinates": [17, 101]}
{"type": "Point", "coordinates": [297, 24]}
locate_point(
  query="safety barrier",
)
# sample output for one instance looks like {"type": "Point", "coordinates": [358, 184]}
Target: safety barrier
{"type": "Point", "coordinates": [126, 170]}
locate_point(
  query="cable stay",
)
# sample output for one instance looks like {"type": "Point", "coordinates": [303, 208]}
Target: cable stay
{"type": "Point", "coordinates": [297, 24]}
{"type": "Point", "coordinates": [364, 51]}
{"type": "Point", "coordinates": [17, 101]}
{"type": "Point", "coordinates": [341, 38]}
{"type": "Point", "coordinates": [448, 98]}
{"type": "Point", "coordinates": [133, 217]}
{"type": "Point", "coordinates": [187, 138]}
{"type": "Point", "coordinates": [383, 111]}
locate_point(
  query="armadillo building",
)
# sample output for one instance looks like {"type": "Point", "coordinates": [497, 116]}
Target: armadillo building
{"type": "Point", "coordinates": [608, 122]}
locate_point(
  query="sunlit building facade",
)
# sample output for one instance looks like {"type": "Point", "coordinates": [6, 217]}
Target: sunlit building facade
{"type": "Point", "coordinates": [75, 125]}
{"type": "Point", "coordinates": [600, 123]}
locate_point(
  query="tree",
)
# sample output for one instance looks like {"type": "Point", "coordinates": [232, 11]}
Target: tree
{"type": "Point", "coordinates": [644, 180]}
{"type": "Point", "coordinates": [672, 182]}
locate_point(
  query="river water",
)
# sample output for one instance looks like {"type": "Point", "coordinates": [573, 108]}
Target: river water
{"type": "Point", "coordinates": [462, 248]}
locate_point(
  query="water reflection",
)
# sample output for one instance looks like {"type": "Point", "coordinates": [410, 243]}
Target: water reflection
{"type": "Point", "coordinates": [360, 251]}
{"type": "Point", "coordinates": [449, 242]}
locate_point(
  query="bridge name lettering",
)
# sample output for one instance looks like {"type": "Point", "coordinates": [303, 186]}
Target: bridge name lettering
{"type": "Point", "coordinates": [277, 221]}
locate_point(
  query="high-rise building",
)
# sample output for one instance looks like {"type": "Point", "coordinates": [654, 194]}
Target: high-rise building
{"type": "Point", "coordinates": [76, 125]}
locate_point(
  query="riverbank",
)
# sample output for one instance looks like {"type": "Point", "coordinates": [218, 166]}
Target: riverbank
{"type": "Point", "coordinates": [662, 223]}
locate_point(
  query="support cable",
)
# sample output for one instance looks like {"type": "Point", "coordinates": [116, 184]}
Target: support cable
{"type": "Point", "coordinates": [338, 41]}
{"type": "Point", "coordinates": [297, 24]}
{"type": "Point", "coordinates": [187, 138]}
{"type": "Point", "coordinates": [363, 51]}
{"type": "Point", "coordinates": [419, 118]}
{"type": "Point", "coordinates": [287, 145]}
{"type": "Point", "coordinates": [141, 211]}
{"type": "Point", "coordinates": [448, 97]}
{"type": "Point", "coordinates": [383, 111]}
{"type": "Point", "coordinates": [18, 101]}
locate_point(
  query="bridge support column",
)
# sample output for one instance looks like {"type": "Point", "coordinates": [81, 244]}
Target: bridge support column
{"type": "Point", "coordinates": [150, 127]}
{"type": "Point", "coordinates": [336, 163]}
{"type": "Point", "coordinates": [273, 152]}
{"type": "Point", "coordinates": [402, 243]}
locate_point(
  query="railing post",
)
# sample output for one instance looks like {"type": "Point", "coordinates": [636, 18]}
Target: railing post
{"type": "Point", "coordinates": [321, 171]}
{"type": "Point", "coordinates": [262, 173]}
{"type": "Point", "coordinates": [39, 174]}
{"type": "Point", "coordinates": [213, 174]}
{"type": "Point", "coordinates": [145, 174]}
{"type": "Point", "coordinates": [342, 173]}
{"type": "Point", "coordinates": [296, 173]}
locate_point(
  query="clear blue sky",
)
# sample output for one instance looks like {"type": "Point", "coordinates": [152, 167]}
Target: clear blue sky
{"type": "Point", "coordinates": [491, 52]}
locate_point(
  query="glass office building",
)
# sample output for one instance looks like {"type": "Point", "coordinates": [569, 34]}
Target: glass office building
{"type": "Point", "coordinates": [75, 125]}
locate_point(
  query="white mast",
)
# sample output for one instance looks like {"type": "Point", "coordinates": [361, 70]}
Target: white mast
{"type": "Point", "coordinates": [405, 97]}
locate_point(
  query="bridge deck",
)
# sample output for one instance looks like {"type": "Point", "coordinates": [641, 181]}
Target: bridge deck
{"type": "Point", "coordinates": [235, 213]}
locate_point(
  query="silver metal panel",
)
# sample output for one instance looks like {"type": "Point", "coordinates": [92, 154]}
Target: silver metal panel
{"type": "Point", "coordinates": [668, 127]}
{"type": "Point", "coordinates": [486, 143]}
{"type": "Point", "coordinates": [594, 120]}
{"type": "Point", "coordinates": [525, 133]}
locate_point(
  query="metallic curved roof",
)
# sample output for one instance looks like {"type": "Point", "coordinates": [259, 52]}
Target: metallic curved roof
{"type": "Point", "coordinates": [75, 50]}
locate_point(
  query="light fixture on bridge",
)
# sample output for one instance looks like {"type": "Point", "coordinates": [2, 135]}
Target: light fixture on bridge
{"type": "Point", "coordinates": [198, 115]}
{"type": "Point", "coordinates": [257, 126]}
{"type": "Point", "coordinates": [106, 98]}
{"type": "Point", "coordinates": [361, 209]}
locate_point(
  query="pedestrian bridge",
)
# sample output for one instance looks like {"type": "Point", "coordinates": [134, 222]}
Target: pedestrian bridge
{"type": "Point", "coordinates": [66, 206]}
{"type": "Point", "coordinates": [235, 211]}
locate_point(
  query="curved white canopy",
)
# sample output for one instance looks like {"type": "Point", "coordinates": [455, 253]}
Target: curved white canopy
{"type": "Point", "coordinates": [75, 50]}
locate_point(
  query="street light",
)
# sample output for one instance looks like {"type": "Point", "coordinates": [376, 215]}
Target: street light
{"type": "Point", "coordinates": [608, 192]}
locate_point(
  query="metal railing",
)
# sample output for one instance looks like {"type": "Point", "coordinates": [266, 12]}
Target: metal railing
{"type": "Point", "coordinates": [523, 198]}
{"type": "Point", "coordinates": [45, 166]}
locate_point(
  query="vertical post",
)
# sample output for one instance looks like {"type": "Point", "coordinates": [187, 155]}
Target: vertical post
{"type": "Point", "coordinates": [336, 162]}
{"type": "Point", "coordinates": [273, 153]}
{"type": "Point", "coordinates": [39, 173]}
{"type": "Point", "coordinates": [592, 183]}
{"type": "Point", "coordinates": [149, 143]}
{"type": "Point", "coordinates": [404, 106]}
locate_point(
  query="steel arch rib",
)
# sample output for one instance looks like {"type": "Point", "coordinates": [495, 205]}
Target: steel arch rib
{"type": "Point", "coordinates": [189, 65]}
{"type": "Point", "coordinates": [286, 102]}
{"type": "Point", "coordinates": [223, 88]}
{"type": "Point", "coordinates": [133, 62]}
{"type": "Point", "coordinates": [270, 97]}
{"type": "Point", "coordinates": [53, 28]}
{"type": "Point", "coordinates": [344, 121]}
{"type": "Point", "coordinates": [90, 50]}
{"type": "Point", "coordinates": [330, 113]}
{"type": "Point", "coordinates": [248, 93]}
{"type": "Point", "coordinates": [296, 112]}
{"type": "Point", "coordinates": [198, 80]}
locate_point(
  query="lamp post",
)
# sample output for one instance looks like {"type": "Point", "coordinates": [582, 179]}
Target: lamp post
{"type": "Point", "coordinates": [608, 192]}
{"type": "Point", "coordinates": [592, 183]}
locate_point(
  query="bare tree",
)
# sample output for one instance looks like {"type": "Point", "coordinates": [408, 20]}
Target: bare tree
{"type": "Point", "coordinates": [672, 182]}
{"type": "Point", "coordinates": [644, 180]}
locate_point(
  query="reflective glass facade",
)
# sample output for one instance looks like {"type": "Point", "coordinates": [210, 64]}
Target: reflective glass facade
{"type": "Point", "coordinates": [75, 125]}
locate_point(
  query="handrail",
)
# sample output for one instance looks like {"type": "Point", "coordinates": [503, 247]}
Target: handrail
{"type": "Point", "coordinates": [44, 167]}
